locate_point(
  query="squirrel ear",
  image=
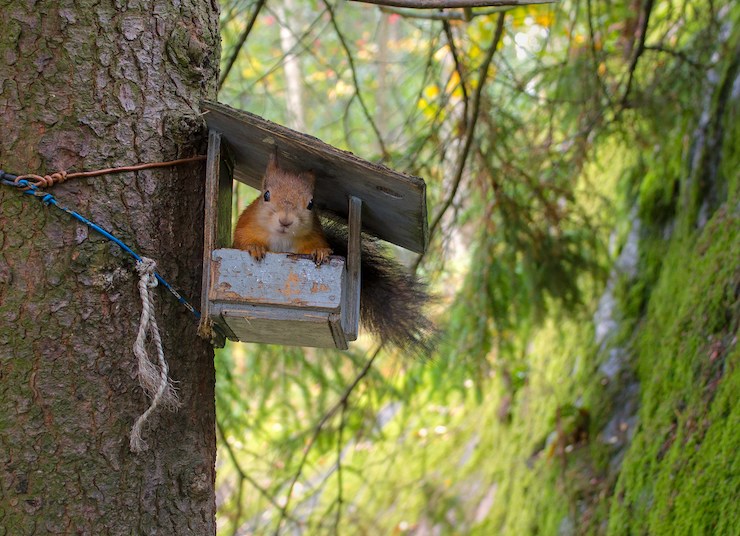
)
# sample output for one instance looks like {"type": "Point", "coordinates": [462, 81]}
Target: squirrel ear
{"type": "Point", "coordinates": [272, 168]}
{"type": "Point", "coordinates": [272, 163]}
{"type": "Point", "coordinates": [309, 177]}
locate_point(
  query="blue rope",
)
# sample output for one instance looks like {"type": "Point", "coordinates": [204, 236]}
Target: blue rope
{"type": "Point", "coordinates": [47, 199]}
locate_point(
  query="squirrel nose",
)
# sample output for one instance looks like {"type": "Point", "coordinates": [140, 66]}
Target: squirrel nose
{"type": "Point", "coordinates": [285, 221]}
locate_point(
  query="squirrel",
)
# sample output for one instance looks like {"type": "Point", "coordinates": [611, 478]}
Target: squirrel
{"type": "Point", "coordinates": [282, 219]}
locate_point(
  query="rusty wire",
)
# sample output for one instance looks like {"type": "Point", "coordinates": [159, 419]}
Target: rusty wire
{"type": "Point", "coordinates": [46, 181]}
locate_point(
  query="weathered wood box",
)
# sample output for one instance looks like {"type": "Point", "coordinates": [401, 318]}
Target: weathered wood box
{"type": "Point", "coordinates": [287, 299]}
{"type": "Point", "coordinates": [281, 299]}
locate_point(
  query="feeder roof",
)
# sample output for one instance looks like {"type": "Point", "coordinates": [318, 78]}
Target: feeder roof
{"type": "Point", "coordinates": [394, 204]}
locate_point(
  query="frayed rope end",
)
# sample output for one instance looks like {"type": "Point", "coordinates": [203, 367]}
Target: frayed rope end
{"type": "Point", "coordinates": [154, 378]}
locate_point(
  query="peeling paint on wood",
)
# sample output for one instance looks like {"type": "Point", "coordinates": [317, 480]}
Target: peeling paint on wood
{"type": "Point", "coordinates": [282, 299]}
{"type": "Point", "coordinates": [279, 279]}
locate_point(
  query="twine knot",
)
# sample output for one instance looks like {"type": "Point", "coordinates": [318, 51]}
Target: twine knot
{"type": "Point", "coordinates": [145, 267]}
{"type": "Point", "coordinates": [43, 181]}
{"type": "Point", "coordinates": [153, 377]}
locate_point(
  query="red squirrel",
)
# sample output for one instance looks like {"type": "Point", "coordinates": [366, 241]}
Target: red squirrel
{"type": "Point", "coordinates": [283, 219]}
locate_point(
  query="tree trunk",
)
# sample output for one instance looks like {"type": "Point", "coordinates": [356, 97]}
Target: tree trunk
{"type": "Point", "coordinates": [84, 85]}
{"type": "Point", "coordinates": [289, 17]}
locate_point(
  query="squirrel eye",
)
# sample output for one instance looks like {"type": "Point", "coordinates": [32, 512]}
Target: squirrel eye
{"type": "Point", "coordinates": [267, 195]}
{"type": "Point", "coordinates": [310, 205]}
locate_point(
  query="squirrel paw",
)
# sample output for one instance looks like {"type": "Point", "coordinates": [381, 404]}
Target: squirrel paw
{"type": "Point", "coordinates": [320, 255]}
{"type": "Point", "coordinates": [256, 251]}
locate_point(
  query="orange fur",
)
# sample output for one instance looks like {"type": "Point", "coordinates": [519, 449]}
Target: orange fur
{"type": "Point", "coordinates": [284, 223]}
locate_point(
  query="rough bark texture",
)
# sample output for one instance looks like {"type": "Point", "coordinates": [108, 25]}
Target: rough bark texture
{"type": "Point", "coordinates": [86, 84]}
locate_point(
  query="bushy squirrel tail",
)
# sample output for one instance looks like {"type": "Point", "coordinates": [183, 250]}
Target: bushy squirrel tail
{"type": "Point", "coordinates": [392, 300]}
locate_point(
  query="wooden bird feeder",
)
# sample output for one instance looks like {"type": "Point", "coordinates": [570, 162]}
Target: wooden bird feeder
{"type": "Point", "coordinates": [285, 298]}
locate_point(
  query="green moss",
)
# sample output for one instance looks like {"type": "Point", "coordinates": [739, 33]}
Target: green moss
{"type": "Point", "coordinates": [679, 476]}
{"type": "Point", "coordinates": [658, 189]}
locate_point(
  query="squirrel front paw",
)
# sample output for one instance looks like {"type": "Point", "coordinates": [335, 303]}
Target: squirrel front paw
{"type": "Point", "coordinates": [320, 255]}
{"type": "Point", "coordinates": [256, 251]}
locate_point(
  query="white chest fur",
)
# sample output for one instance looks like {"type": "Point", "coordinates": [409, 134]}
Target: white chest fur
{"type": "Point", "coordinates": [282, 243]}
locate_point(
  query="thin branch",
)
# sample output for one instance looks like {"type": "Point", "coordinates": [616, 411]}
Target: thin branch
{"type": "Point", "coordinates": [644, 21]}
{"type": "Point", "coordinates": [240, 43]}
{"type": "Point", "coordinates": [240, 471]}
{"type": "Point", "coordinates": [677, 53]}
{"type": "Point", "coordinates": [470, 131]}
{"type": "Point", "coordinates": [300, 45]}
{"type": "Point", "coordinates": [238, 513]}
{"type": "Point", "coordinates": [340, 499]}
{"type": "Point", "coordinates": [441, 4]}
{"type": "Point", "coordinates": [442, 15]}
{"type": "Point", "coordinates": [458, 67]}
{"type": "Point", "coordinates": [428, 66]}
{"type": "Point", "coordinates": [355, 81]}
{"type": "Point", "coordinates": [594, 54]}
{"type": "Point", "coordinates": [317, 430]}
{"type": "Point", "coordinates": [346, 121]}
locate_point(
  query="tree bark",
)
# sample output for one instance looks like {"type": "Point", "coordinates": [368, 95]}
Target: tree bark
{"type": "Point", "coordinates": [86, 84]}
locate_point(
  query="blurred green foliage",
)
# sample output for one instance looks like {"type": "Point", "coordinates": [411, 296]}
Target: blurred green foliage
{"type": "Point", "coordinates": [591, 117]}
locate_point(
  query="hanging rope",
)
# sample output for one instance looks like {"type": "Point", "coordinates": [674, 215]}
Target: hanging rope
{"type": "Point", "coordinates": [153, 377]}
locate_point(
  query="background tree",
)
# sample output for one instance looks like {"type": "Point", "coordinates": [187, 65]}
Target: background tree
{"type": "Point", "coordinates": [86, 85]}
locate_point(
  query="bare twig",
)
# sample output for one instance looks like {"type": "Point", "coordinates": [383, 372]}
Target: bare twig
{"type": "Point", "coordinates": [341, 403]}
{"type": "Point", "coordinates": [677, 53]}
{"type": "Point", "coordinates": [299, 47]}
{"type": "Point", "coordinates": [458, 67]}
{"type": "Point", "coordinates": [355, 81]}
{"type": "Point", "coordinates": [427, 70]}
{"type": "Point", "coordinates": [644, 21]}
{"type": "Point", "coordinates": [470, 131]}
{"type": "Point", "coordinates": [238, 513]}
{"type": "Point", "coordinates": [240, 43]}
{"type": "Point", "coordinates": [243, 475]}
{"type": "Point", "coordinates": [441, 4]}
{"type": "Point", "coordinates": [594, 54]}
{"type": "Point", "coordinates": [340, 500]}
{"type": "Point", "coordinates": [442, 15]}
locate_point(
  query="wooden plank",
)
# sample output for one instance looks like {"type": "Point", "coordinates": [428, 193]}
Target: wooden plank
{"type": "Point", "coordinates": [210, 212]}
{"type": "Point", "coordinates": [224, 204]}
{"type": "Point", "coordinates": [221, 331]}
{"type": "Point", "coordinates": [279, 279]}
{"type": "Point", "coordinates": [337, 331]}
{"type": "Point", "coordinates": [352, 308]}
{"type": "Point", "coordinates": [395, 203]}
{"type": "Point", "coordinates": [210, 225]}
{"type": "Point", "coordinates": [272, 325]}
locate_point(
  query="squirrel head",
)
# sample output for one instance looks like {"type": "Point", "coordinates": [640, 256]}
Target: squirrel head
{"type": "Point", "coordinates": [287, 200]}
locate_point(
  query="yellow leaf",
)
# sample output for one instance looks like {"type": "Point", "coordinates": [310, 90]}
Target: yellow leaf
{"type": "Point", "coordinates": [318, 76]}
{"type": "Point", "coordinates": [544, 19]}
{"type": "Point", "coordinates": [431, 91]}
{"type": "Point", "coordinates": [453, 86]}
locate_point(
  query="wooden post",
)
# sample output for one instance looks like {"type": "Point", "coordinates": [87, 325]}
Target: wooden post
{"type": "Point", "coordinates": [217, 221]}
{"type": "Point", "coordinates": [352, 319]}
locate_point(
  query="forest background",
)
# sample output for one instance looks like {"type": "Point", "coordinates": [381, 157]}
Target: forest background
{"type": "Point", "coordinates": [582, 161]}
